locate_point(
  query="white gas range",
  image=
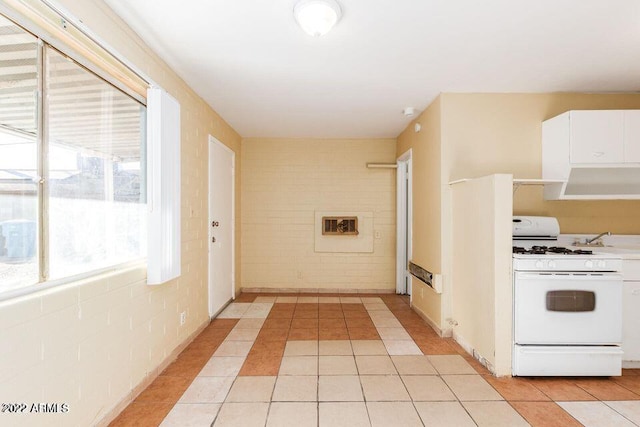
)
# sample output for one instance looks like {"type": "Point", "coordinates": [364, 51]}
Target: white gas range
{"type": "Point", "coordinates": [567, 309]}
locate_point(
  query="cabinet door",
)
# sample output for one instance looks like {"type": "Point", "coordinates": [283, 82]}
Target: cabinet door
{"type": "Point", "coordinates": [597, 136]}
{"type": "Point", "coordinates": [632, 136]}
{"type": "Point", "coordinates": [630, 321]}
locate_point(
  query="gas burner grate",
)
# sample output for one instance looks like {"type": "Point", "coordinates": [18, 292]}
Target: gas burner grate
{"type": "Point", "coordinates": [559, 250]}
{"type": "Point", "coordinates": [556, 250]}
{"type": "Point", "coordinates": [582, 252]}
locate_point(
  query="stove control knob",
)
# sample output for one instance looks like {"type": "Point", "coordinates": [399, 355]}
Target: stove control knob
{"type": "Point", "coordinates": [552, 264]}
{"type": "Point", "coordinates": [539, 264]}
{"type": "Point", "coordinates": [588, 264]}
{"type": "Point", "coordinates": [601, 263]}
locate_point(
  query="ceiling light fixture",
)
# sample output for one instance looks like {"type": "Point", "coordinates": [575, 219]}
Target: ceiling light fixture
{"type": "Point", "coordinates": [317, 17]}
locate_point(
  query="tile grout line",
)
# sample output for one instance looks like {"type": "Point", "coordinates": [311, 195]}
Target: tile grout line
{"type": "Point", "coordinates": [439, 375]}
{"type": "Point", "coordinates": [358, 373]}
{"type": "Point", "coordinates": [235, 377]}
{"type": "Point", "coordinates": [618, 412]}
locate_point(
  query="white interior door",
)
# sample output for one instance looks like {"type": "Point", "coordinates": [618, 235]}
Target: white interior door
{"type": "Point", "coordinates": [221, 225]}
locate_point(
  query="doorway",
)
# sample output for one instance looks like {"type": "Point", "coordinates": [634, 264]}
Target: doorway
{"type": "Point", "coordinates": [404, 223]}
{"type": "Point", "coordinates": [221, 226]}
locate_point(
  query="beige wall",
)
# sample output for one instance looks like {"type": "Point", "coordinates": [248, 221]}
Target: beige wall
{"type": "Point", "coordinates": [426, 156]}
{"type": "Point", "coordinates": [89, 344]}
{"type": "Point", "coordinates": [502, 133]}
{"type": "Point", "coordinates": [485, 134]}
{"type": "Point", "coordinates": [473, 135]}
{"type": "Point", "coordinates": [284, 181]}
{"type": "Point", "coordinates": [481, 272]}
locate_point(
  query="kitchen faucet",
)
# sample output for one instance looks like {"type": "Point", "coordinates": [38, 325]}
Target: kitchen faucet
{"type": "Point", "coordinates": [590, 241]}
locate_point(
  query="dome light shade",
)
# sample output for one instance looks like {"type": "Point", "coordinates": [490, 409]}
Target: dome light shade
{"type": "Point", "coordinates": [317, 17]}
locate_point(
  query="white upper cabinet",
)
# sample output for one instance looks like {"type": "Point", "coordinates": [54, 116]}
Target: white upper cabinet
{"type": "Point", "coordinates": [632, 136]}
{"type": "Point", "coordinates": [597, 136]}
{"type": "Point", "coordinates": [593, 154]}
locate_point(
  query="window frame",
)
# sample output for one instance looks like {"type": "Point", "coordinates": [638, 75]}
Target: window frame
{"type": "Point", "coordinates": [66, 23]}
{"type": "Point", "coordinates": [44, 40]}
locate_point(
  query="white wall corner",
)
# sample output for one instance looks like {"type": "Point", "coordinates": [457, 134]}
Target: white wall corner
{"type": "Point", "coordinates": [503, 274]}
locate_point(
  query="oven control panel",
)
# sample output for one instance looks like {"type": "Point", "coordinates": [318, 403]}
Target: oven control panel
{"type": "Point", "coordinates": [566, 263]}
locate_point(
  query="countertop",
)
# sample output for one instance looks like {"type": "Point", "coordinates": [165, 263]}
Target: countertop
{"type": "Point", "coordinates": [626, 246]}
{"type": "Point", "coordinates": [625, 253]}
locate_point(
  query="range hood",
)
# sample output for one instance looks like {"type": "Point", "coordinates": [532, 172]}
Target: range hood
{"type": "Point", "coordinates": [592, 154]}
{"type": "Point", "coordinates": [588, 183]}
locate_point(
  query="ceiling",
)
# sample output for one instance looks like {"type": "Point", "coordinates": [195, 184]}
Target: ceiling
{"type": "Point", "coordinates": [267, 78]}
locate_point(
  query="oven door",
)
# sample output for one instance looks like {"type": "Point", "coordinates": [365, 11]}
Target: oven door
{"type": "Point", "coordinates": [569, 308]}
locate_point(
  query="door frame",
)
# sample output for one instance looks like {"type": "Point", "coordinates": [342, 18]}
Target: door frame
{"type": "Point", "coordinates": [404, 234]}
{"type": "Point", "coordinates": [213, 140]}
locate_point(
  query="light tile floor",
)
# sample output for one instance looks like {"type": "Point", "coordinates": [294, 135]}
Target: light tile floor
{"type": "Point", "coordinates": [331, 361]}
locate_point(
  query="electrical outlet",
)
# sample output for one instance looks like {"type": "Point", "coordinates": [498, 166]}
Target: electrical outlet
{"type": "Point", "coordinates": [377, 234]}
{"type": "Point", "coordinates": [183, 318]}
{"type": "Point", "coordinates": [299, 274]}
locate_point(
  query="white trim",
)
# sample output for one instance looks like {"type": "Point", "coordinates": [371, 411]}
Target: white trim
{"type": "Point", "coordinates": [536, 181]}
{"type": "Point", "coordinates": [42, 136]}
{"type": "Point", "coordinates": [518, 181]}
{"type": "Point", "coordinates": [406, 155]}
{"type": "Point", "coordinates": [224, 147]}
{"type": "Point", "coordinates": [221, 309]}
{"type": "Point", "coordinates": [459, 181]}
{"type": "Point", "coordinates": [233, 221]}
{"type": "Point", "coordinates": [38, 30]}
{"type": "Point", "coordinates": [400, 228]}
{"type": "Point", "coordinates": [68, 16]}
{"type": "Point", "coordinates": [404, 208]}
{"type": "Point", "coordinates": [409, 223]}
{"type": "Point", "coordinates": [214, 140]}
{"type": "Point", "coordinates": [382, 165]}
{"type": "Point", "coordinates": [346, 292]}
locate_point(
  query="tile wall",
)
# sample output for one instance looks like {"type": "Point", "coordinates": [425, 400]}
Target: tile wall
{"type": "Point", "coordinates": [284, 181]}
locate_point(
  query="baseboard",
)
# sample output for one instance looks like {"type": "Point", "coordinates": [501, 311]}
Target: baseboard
{"type": "Point", "coordinates": [444, 333]}
{"type": "Point", "coordinates": [631, 364]}
{"type": "Point", "coordinates": [221, 309]}
{"type": "Point", "coordinates": [315, 291]}
{"type": "Point", "coordinates": [469, 349]}
{"type": "Point", "coordinates": [151, 376]}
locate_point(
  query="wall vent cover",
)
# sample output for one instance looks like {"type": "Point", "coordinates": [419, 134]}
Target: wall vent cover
{"type": "Point", "coordinates": [345, 226]}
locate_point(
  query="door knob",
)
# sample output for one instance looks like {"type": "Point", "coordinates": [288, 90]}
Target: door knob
{"type": "Point", "coordinates": [213, 240]}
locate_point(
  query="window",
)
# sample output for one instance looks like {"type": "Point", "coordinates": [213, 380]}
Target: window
{"type": "Point", "coordinates": [95, 191]}
{"type": "Point", "coordinates": [19, 216]}
{"type": "Point", "coordinates": [72, 166]}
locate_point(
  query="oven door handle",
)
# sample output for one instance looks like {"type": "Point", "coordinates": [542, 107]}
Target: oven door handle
{"type": "Point", "coordinates": [567, 276]}
{"type": "Point", "coordinates": [569, 350]}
